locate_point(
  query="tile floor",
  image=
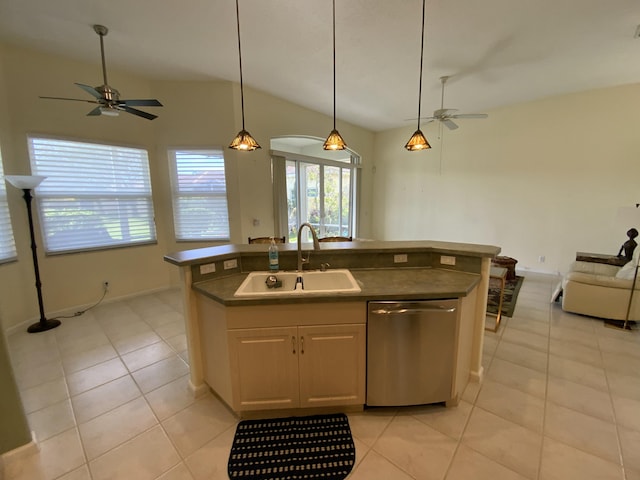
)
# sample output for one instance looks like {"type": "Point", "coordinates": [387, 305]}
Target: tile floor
{"type": "Point", "coordinates": [106, 394]}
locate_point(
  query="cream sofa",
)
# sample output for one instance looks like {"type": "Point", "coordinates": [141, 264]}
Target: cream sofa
{"type": "Point", "coordinates": [600, 290]}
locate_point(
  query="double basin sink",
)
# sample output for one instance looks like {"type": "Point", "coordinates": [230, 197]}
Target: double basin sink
{"type": "Point", "coordinates": [297, 283]}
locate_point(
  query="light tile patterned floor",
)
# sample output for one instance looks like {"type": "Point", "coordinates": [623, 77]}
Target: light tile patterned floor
{"type": "Point", "coordinates": [106, 394]}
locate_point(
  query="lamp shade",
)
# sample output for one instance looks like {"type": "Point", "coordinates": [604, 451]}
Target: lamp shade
{"type": "Point", "coordinates": [334, 141]}
{"type": "Point", "coordinates": [244, 141]}
{"type": "Point", "coordinates": [417, 142]}
{"type": "Point", "coordinates": [25, 181]}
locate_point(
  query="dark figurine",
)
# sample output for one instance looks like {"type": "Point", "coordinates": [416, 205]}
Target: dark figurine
{"type": "Point", "coordinates": [629, 246]}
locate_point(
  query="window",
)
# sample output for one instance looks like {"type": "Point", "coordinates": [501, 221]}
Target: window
{"type": "Point", "coordinates": [7, 243]}
{"type": "Point", "coordinates": [94, 196]}
{"type": "Point", "coordinates": [199, 195]}
{"type": "Point", "coordinates": [314, 186]}
{"type": "Point", "coordinates": [322, 195]}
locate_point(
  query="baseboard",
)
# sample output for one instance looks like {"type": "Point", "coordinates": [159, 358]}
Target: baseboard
{"type": "Point", "coordinates": [477, 376]}
{"type": "Point", "coordinates": [17, 454]}
{"type": "Point", "coordinates": [69, 311]}
{"type": "Point", "coordinates": [198, 390]}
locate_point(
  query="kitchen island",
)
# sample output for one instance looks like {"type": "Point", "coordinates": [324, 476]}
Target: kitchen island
{"type": "Point", "coordinates": [236, 345]}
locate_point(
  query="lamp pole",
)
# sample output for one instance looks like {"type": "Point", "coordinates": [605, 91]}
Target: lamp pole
{"type": "Point", "coordinates": [27, 183]}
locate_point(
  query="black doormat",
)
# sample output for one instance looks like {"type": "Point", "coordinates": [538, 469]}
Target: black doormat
{"type": "Point", "coordinates": [314, 447]}
{"type": "Point", "coordinates": [511, 290]}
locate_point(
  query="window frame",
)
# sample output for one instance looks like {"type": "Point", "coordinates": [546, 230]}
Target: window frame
{"type": "Point", "coordinates": [121, 198]}
{"type": "Point", "coordinates": [176, 194]}
{"type": "Point", "coordinates": [7, 237]}
{"type": "Point", "coordinates": [353, 165]}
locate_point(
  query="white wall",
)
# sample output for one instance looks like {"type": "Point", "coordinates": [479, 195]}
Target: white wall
{"type": "Point", "coordinates": [544, 178]}
{"type": "Point", "coordinates": [194, 114]}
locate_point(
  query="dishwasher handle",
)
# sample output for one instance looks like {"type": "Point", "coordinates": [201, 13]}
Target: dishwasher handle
{"type": "Point", "coordinates": [412, 310]}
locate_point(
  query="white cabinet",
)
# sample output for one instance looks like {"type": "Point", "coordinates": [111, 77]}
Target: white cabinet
{"type": "Point", "coordinates": [302, 366]}
{"type": "Point", "coordinates": [289, 356]}
{"type": "Point", "coordinates": [264, 368]}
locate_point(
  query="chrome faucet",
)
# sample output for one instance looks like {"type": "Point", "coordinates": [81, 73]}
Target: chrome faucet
{"type": "Point", "coordinates": [316, 245]}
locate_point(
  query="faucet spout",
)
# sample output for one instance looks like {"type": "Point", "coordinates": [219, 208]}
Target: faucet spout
{"type": "Point", "coordinates": [316, 244]}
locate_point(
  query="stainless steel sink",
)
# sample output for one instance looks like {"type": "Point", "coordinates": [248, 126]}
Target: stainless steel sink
{"type": "Point", "coordinates": [313, 282]}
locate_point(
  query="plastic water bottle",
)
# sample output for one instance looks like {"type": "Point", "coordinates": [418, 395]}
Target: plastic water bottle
{"type": "Point", "coordinates": [274, 265]}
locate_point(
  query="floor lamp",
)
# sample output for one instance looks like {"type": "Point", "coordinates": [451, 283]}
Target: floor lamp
{"type": "Point", "coordinates": [625, 325]}
{"type": "Point", "coordinates": [27, 183]}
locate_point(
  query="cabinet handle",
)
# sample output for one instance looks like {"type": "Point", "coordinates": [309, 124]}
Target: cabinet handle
{"type": "Point", "coordinates": [293, 344]}
{"type": "Point", "coordinates": [302, 345]}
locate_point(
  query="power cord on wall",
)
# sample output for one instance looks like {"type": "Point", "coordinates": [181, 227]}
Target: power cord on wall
{"type": "Point", "coordinates": [105, 289]}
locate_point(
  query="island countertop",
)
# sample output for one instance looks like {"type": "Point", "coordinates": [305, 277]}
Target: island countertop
{"type": "Point", "coordinates": [203, 255]}
{"type": "Point", "coordinates": [375, 284]}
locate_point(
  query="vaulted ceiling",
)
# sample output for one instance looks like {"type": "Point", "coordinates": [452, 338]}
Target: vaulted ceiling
{"type": "Point", "coordinates": [497, 52]}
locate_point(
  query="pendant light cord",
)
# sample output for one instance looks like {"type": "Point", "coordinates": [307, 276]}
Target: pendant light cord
{"type": "Point", "coordinates": [424, 2]}
{"type": "Point", "coordinates": [240, 57]}
{"type": "Point", "coordinates": [334, 64]}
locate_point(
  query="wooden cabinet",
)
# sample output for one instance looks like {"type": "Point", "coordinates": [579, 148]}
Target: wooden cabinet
{"type": "Point", "coordinates": [265, 366]}
{"type": "Point", "coordinates": [284, 356]}
{"type": "Point", "coordinates": [293, 367]}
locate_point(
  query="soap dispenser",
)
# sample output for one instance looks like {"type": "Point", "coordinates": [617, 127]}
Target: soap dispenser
{"type": "Point", "coordinates": [274, 265]}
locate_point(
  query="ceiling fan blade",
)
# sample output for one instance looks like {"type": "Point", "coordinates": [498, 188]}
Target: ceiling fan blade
{"type": "Point", "coordinates": [470, 115]}
{"type": "Point", "coordinates": [90, 90]}
{"type": "Point", "coordinates": [73, 99]}
{"type": "Point", "coordinates": [449, 124]}
{"type": "Point", "coordinates": [444, 112]}
{"type": "Point", "coordinates": [96, 112]}
{"type": "Point", "coordinates": [152, 102]}
{"type": "Point", "coordinates": [139, 113]}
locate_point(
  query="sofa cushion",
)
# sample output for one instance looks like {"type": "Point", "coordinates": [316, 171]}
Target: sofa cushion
{"type": "Point", "coordinates": [628, 270]}
{"type": "Point", "coordinates": [594, 268]}
{"type": "Point", "coordinates": [599, 280]}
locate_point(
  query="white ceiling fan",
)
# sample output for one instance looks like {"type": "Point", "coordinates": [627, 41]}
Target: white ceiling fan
{"type": "Point", "coordinates": [446, 115]}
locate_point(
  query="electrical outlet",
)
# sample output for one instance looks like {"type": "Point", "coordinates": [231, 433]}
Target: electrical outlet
{"type": "Point", "coordinates": [447, 260]}
{"type": "Point", "coordinates": [400, 258]}
{"type": "Point", "coordinates": [207, 268]}
{"type": "Point", "coordinates": [233, 263]}
{"type": "Point", "coordinates": [105, 285]}
{"type": "Point", "coordinates": [541, 258]}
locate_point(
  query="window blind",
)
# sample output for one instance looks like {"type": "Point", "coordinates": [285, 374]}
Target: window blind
{"type": "Point", "coordinates": [199, 194]}
{"type": "Point", "coordinates": [94, 196]}
{"type": "Point", "coordinates": [7, 242]}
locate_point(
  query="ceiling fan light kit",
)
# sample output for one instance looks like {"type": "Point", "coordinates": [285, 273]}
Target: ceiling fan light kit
{"type": "Point", "coordinates": [334, 141]}
{"type": "Point", "coordinates": [108, 98]}
{"type": "Point", "coordinates": [418, 141]}
{"type": "Point", "coordinates": [243, 141]}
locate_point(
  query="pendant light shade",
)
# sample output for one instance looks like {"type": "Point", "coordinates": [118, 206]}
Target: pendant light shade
{"type": "Point", "coordinates": [334, 141]}
{"type": "Point", "coordinates": [418, 141]}
{"type": "Point", "coordinates": [243, 141]}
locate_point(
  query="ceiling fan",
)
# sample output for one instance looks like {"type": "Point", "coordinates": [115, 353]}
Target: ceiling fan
{"type": "Point", "coordinates": [108, 98]}
{"type": "Point", "coordinates": [445, 115]}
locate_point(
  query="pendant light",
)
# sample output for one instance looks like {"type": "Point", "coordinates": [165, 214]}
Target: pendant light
{"type": "Point", "coordinates": [334, 141]}
{"type": "Point", "coordinates": [243, 141]}
{"type": "Point", "coordinates": [418, 141]}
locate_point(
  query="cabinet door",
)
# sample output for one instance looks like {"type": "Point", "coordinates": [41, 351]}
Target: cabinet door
{"type": "Point", "coordinates": [264, 368]}
{"type": "Point", "coordinates": [332, 362]}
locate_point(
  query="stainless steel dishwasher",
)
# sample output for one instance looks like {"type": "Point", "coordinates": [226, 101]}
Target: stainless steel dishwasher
{"type": "Point", "coordinates": [410, 352]}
